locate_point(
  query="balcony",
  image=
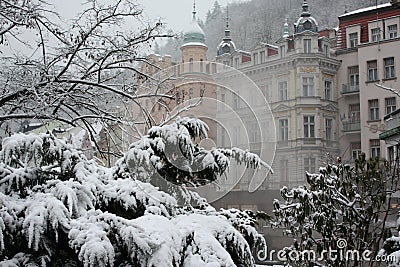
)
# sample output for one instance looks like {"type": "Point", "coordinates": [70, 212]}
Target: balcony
{"type": "Point", "coordinates": [350, 88]}
{"type": "Point", "coordinates": [351, 126]}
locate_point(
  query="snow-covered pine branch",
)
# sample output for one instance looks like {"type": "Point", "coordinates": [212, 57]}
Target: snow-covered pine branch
{"type": "Point", "coordinates": [59, 208]}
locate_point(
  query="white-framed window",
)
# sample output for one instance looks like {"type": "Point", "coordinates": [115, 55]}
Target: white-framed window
{"type": "Point", "coordinates": [309, 164]}
{"type": "Point", "coordinates": [329, 128]}
{"type": "Point", "coordinates": [262, 57]}
{"type": "Point", "coordinates": [328, 90]}
{"type": "Point", "coordinates": [309, 126]}
{"type": "Point", "coordinates": [255, 58]}
{"type": "Point", "coordinates": [375, 148]}
{"type": "Point", "coordinates": [283, 90]}
{"type": "Point", "coordinates": [376, 34]}
{"type": "Point", "coordinates": [390, 104]}
{"type": "Point", "coordinates": [392, 31]}
{"type": "Point", "coordinates": [307, 46]}
{"type": "Point", "coordinates": [353, 39]}
{"type": "Point", "coordinates": [389, 67]}
{"type": "Point", "coordinates": [354, 76]}
{"type": "Point", "coordinates": [372, 68]}
{"type": "Point", "coordinates": [283, 129]}
{"type": "Point", "coordinates": [308, 86]}
{"type": "Point", "coordinates": [373, 106]}
{"type": "Point", "coordinates": [355, 150]}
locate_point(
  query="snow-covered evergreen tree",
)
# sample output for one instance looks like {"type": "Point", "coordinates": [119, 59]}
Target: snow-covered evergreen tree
{"type": "Point", "coordinates": [59, 209]}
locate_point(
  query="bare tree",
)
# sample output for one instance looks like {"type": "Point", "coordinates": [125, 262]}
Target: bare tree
{"type": "Point", "coordinates": [85, 73]}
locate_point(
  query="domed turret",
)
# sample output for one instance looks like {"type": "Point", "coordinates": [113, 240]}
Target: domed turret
{"type": "Point", "coordinates": [305, 22]}
{"type": "Point", "coordinates": [227, 46]}
{"type": "Point", "coordinates": [194, 33]}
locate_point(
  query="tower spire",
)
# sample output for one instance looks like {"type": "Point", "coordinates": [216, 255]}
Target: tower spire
{"type": "Point", "coordinates": [194, 10]}
{"type": "Point", "coordinates": [227, 16]}
{"type": "Point", "coordinates": [227, 31]}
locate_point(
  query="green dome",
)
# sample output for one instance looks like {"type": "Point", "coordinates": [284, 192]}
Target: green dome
{"type": "Point", "coordinates": [194, 33]}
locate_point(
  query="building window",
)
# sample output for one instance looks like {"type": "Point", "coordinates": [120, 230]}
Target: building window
{"type": "Point", "coordinates": [283, 91]}
{"type": "Point", "coordinates": [354, 77]}
{"type": "Point", "coordinates": [326, 50]}
{"type": "Point", "coordinates": [353, 39]}
{"type": "Point", "coordinates": [373, 106]}
{"type": "Point", "coordinates": [282, 50]}
{"type": "Point", "coordinates": [307, 46]}
{"type": "Point", "coordinates": [284, 170]}
{"type": "Point", "coordinates": [190, 95]}
{"type": "Point", "coordinates": [223, 102]}
{"type": "Point", "coordinates": [389, 68]}
{"type": "Point", "coordinates": [262, 57]}
{"type": "Point", "coordinates": [178, 98]}
{"type": "Point", "coordinates": [255, 58]}
{"type": "Point", "coordinates": [201, 65]}
{"type": "Point", "coordinates": [309, 165]}
{"type": "Point", "coordinates": [254, 132]}
{"type": "Point", "coordinates": [375, 146]}
{"type": "Point", "coordinates": [329, 129]}
{"type": "Point", "coordinates": [355, 150]}
{"type": "Point", "coordinates": [235, 101]}
{"type": "Point", "coordinates": [283, 129]}
{"type": "Point", "coordinates": [264, 90]}
{"type": "Point", "coordinates": [223, 137]}
{"type": "Point", "coordinates": [392, 31]}
{"type": "Point", "coordinates": [372, 68]}
{"type": "Point", "coordinates": [375, 34]}
{"type": "Point", "coordinates": [354, 113]}
{"type": "Point", "coordinates": [191, 65]}
{"type": "Point", "coordinates": [328, 90]}
{"type": "Point", "coordinates": [236, 136]}
{"type": "Point", "coordinates": [237, 62]}
{"type": "Point", "coordinates": [308, 86]}
{"type": "Point", "coordinates": [390, 104]}
{"type": "Point", "coordinates": [309, 126]}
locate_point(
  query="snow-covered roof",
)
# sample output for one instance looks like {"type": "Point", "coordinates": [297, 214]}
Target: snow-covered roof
{"type": "Point", "coordinates": [194, 43]}
{"type": "Point", "coordinates": [361, 10]}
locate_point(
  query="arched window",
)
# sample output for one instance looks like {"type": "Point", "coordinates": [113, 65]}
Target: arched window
{"type": "Point", "coordinates": [191, 65]}
{"type": "Point", "coordinates": [201, 65]}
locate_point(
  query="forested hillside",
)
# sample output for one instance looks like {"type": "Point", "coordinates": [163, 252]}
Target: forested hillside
{"type": "Point", "coordinates": [262, 20]}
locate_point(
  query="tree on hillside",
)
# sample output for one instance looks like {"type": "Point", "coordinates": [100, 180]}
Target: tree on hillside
{"type": "Point", "coordinates": [74, 73]}
{"type": "Point", "coordinates": [342, 208]}
{"type": "Point", "coordinates": [60, 209]}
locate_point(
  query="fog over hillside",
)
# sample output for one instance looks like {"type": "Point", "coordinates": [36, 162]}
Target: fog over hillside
{"type": "Point", "coordinates": [262, 20]}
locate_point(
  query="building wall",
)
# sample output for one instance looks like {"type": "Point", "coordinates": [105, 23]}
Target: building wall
{"type": "Point", "coordinates": [359, 133]}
